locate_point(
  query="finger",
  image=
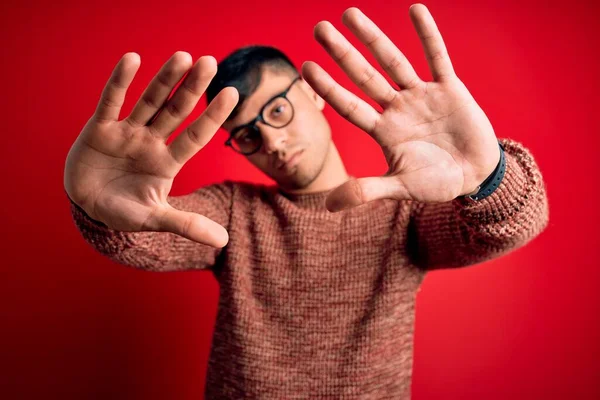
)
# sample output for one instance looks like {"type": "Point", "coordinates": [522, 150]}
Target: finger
{"type": "Point", "coordinates": [192, 226]}
{"type": "Point", "coordinates": [366, 77]}
{"type": "Point", "coordinates": [363, 190]}
{"type": "Point", "coordinates": [113, 95]}
{"type": "Point", "coordinates": [386, 53]}
{"type": "Point", "coordinates": [160, 87]}
{"type": "Point", "coordinates": [345, 103]}
{"type": "Point", "coordinates": [182, 103]}
{"type": "Point", "coordinates": [431, 39]}
{"type": "Point", "coordinates": [201, 131]}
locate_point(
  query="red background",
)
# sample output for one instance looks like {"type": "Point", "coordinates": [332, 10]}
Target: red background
{"type": "Point", "coordinates": [74, 325]}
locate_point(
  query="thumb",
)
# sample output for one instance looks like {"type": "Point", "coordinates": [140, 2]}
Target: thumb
{"type": "Point", "coordinates": [193, 226]}
{"type": "Point", "coordinates": [363, 190]}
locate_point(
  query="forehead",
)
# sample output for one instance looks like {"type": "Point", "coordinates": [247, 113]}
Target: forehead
{"type": "Point", "coordinates": [272, 82]}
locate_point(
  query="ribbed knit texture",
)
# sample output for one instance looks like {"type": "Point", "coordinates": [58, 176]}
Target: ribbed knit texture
{"type": "Point", "coordinates": [319, 305]}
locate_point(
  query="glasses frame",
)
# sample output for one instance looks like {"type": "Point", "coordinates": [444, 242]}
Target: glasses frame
{"type": "Point", "coordinates": [260, 118]}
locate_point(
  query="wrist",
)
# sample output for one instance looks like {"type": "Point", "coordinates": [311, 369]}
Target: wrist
{"type": "Point", "coordinates": [492, 182]}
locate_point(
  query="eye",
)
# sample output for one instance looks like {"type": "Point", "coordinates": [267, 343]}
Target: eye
{"type": "Point", "coordinates": [245, 135]}
{"type": "Point", "coordinates": [242, 136]}
{"type": "Point", "coordinates": [278, 110]}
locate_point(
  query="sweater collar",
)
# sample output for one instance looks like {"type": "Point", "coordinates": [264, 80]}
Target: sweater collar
{"type": "Point", "coordinates": [314, 201]}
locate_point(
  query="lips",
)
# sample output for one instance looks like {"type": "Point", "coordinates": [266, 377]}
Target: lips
{"type": "Point", "coordinates": [289, 161]}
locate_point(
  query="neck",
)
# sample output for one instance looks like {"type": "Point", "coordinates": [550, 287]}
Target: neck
{"type": "Point", "coordinates": [332, 175]}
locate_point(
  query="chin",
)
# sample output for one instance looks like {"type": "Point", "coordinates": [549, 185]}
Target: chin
{"type": "Point", "coordinates": [300, 179]}
{"type": "Point", "coordinates": [296, 184]}
{"type": "Point", "coordinates": [307, 171]}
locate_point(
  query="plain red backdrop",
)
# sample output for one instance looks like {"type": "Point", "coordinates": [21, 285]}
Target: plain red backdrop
{"type": "Point", "coordinates": [74, 325]}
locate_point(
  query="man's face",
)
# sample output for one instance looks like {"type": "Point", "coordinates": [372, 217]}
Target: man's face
{"type": "Point", "coordinates": [293, 155]}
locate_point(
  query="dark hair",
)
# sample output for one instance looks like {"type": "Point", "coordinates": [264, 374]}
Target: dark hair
{"type": "Point", "coordinates": [243, 68]}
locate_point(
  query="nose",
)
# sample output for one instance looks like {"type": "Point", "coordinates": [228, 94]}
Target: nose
{"type": "Point", "coordinates": [273, 139]}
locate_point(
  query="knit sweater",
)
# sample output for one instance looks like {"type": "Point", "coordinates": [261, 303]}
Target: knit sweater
{"type": "Point", "coordinates": [320, 305]}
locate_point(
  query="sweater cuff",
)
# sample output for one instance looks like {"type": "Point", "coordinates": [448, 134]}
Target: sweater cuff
{"type": "Point", "coordinates": [518, 187]}
{"type": "Point", "coordinates": [107, 241]}
{"type": "Point", "coordinates": [80, 214]}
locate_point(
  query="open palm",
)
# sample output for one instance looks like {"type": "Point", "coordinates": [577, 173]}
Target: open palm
{"type": "Point", "coordinates": [121, 171]}
{"type": "Point", "coordinates": [437, 141]}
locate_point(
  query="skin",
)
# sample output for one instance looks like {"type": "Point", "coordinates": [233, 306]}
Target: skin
{"type": "Point", "coordinates": [319, 166]}
{"type": "Point", "coordinates": [120, 172]}
{"type": "Point", "coordinates": [437, 141]}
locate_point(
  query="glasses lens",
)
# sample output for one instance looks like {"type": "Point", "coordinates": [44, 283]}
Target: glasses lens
{"type": "Point", "coordinates": [247, 140]}
{"type": "Point", "coordinates": [278, 112]}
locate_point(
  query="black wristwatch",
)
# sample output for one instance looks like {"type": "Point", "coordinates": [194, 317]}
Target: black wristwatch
{"type": "Point", "coordinates": [492, 182]}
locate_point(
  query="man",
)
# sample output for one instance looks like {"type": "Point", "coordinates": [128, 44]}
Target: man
{"type": "Point", "coordinates": [318, 274]}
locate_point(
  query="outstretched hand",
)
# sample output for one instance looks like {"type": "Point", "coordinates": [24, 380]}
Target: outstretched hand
{"type": "Point", "coordinates": [437, 141]}
{"type": "Point", "coordinates": [120, 171]}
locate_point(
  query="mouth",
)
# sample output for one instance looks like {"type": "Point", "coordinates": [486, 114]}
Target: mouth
{"type": "Point", "coordinates": [290, 162]}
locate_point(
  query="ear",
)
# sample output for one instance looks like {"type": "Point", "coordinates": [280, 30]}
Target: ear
{"type": "Point", "coordinates": [317, 100]}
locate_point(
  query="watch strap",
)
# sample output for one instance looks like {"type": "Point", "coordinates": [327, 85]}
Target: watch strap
{"type": "Point", "coordinates": [493, 181]}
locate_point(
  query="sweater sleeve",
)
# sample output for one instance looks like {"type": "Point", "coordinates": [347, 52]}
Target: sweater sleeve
{"type": "Point", "coordinates": [461, 232]}
{"type": "Point", "coordinates": [161, 251]}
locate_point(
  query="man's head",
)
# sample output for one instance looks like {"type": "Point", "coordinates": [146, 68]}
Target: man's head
{"type": "Point", "coordinates": [278, 123]}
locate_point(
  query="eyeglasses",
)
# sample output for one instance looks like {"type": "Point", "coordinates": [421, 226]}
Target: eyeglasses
{"type": "Point", "coordinates": [277, 113]}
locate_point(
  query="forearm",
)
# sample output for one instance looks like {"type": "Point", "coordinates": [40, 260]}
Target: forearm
{"type": "Point", "coordinates": [461, 232]}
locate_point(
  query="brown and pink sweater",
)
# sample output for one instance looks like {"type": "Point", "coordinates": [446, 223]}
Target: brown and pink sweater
{"type": "Point", "coordinates": [319, 305]}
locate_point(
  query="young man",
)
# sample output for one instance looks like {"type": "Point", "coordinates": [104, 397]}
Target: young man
{"type": "Point", "coordinates": [313, 303]}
